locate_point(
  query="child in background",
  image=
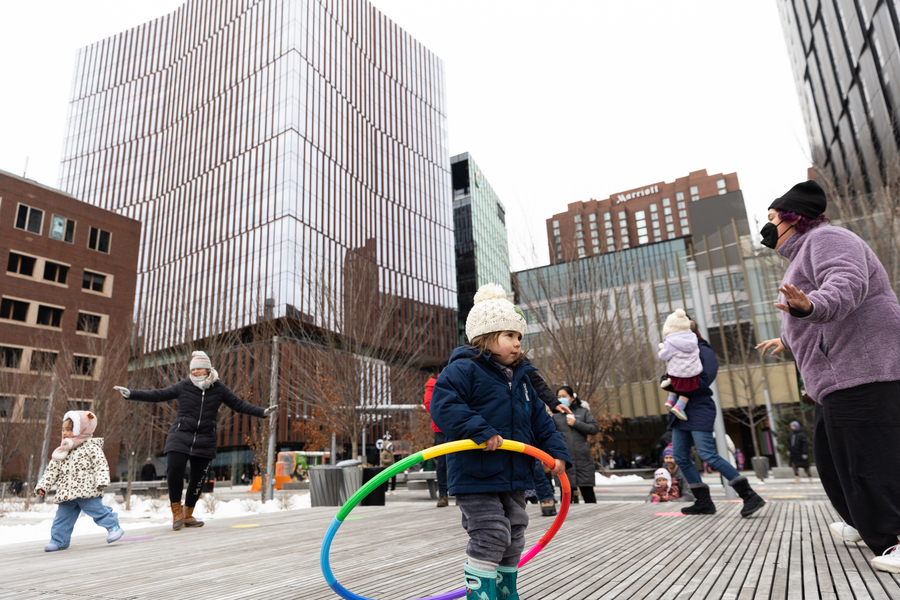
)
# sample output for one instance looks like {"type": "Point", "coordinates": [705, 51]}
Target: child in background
{"type": "Point", "coordinates": [665, 490]}
{"type": "Point", "coordinates": [484, 394]}
{"type": "Point", "coordinates": [681, 352]}
{"type": "Point", "coordinates": [80, 472]}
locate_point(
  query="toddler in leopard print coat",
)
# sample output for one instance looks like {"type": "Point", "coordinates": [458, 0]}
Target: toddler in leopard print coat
{"type": "Point", "coordinates": [80, 472]}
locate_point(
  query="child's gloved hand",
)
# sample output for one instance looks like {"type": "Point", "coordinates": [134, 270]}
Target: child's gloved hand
{"type": "Point", "coordinates": [661, 345]}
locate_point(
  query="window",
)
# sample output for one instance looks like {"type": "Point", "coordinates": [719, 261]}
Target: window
{"type": "Point", "coordinates": [623, 217]}
{"type": "Point", "coordinates": [88, 323]}
{"type": "Point", "coordinates": [665, 202]}
{"type": "Point", "coordinates": [674, 293]}
{"type": "Point", "coordinates": [62, 229]}
{"type": "Point", "coordinates": [592, 217]}
{"type": "Point", "coordinates": [721, 185]}
{"type": "Point", "coordinates": [622, 299]}
{"type": "Point", "coordinates": [656, 233]}
{"type": "Point", "coordinates": [21, 264]}
{"type": "Point", "coordinates": [669, 219]}
{"type": "Point", "coordinates": [606, 216]}
{"type": "Point", "coordinates": [55, 272]}
{"type": "Point", "coordinates": [581, 252]}
{"type": "Point", "coordinates": [15, 310]}
{"type": "Point", "coordinates": [83, 365]}
{"type": "Point", "coordinates": [610, 242]}
{"type": "Point", "coordinates": [556, 232]}
{"type": "Point", "coordinates": [579, 243]}
{"type": "Point", "coordinates": [684, 222]}
{"type": "Point", "coordinates": [93, 281]}
{"type": "Point", "coordinates": [577, 218]}
{"type": "Point", "coordinates": [667, 210]}
{"type": "Point", "coordinates": [653, 208]}
{"type": "Point", "coordinates": [623, 231]}
{"type": "Point", "coordinates": [625, 239]}
{"type": "Point", "coordinates": [559, 248]}
{"type": "Point", "coordinates": [556, 239]}
{"type": "Point", "coordinates": [531, 340]}
{"type": "Point", "coordinates": [7, 405]}
{"type": "Point", "coordinates": [42, 361]}
{"type": "Point", "coordinates": [720, 282]}
{"type": "Point", "coordinates": [694, 190]}
{"type": "Point", "coordinates": [558, 255]}
{"type": "Point", "coordinates": [535, 315]}
{"type": "Point", "coordinates": [578, 227]}
{"type": "Point", "coordinates": [579, 235]}
{"type": "Point", "coordinates": [555, 223]}
{"type": "Point", "coordinates": [726, 311]}
{"type": "Point", "coordinates": [595, 242]}
{"type": "Point", "coordinates": [593, 226]}
{"type": "Point", "coordinates": [680, 205]}
{"type": "Point", "coordinates": [685, 231]}
{"type": "Point", "coordinates": [99, 240]}
{"type": "Point", "coordinates": [10, 357]}
{"type": "Point", "coordinates": [682, 213]}
{"type": "Point", "coordinates": [50, 316]}
{"type": "Point", "coordinates": [79, 404]}
{"type": "Point", "coordinates": [626, 326]}
{"type": "Point", "coordinates": [670, 228]}
{"type": "Point", "coordinates": [595, 233]}
{"type": "Point", "coordinates": [679, 195]}
{"type": "Point", "coordinates": [30, 219]}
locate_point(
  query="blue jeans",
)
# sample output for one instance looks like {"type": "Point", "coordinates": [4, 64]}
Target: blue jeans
{"type": "Point", "coordinates": [706, 446]}
{"type": "Point", "coordinates": [67, 513]}
{"type": "Point", "coordinates": [541, 484]}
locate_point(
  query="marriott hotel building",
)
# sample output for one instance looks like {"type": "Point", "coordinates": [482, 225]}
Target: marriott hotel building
{"type": "Point", "coordinates": [653, 213]}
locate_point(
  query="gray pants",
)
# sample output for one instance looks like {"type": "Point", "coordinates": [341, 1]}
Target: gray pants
{"type": "Point", "coordinates": [496, 523]}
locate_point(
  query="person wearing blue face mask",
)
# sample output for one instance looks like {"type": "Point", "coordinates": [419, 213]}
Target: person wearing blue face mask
{"type": "Point", "coordinates": [575, 429]}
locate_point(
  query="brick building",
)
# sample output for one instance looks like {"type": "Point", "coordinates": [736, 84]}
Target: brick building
{"type": "Point", "coordinates": [67, 291]}
{"type": "Point", "coordinates": [651, 213]}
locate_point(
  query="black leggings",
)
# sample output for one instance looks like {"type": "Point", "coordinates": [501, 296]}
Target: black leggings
{"type": "Point", "coordinates": [587, 493]}
{"type": "Point", "coordinates": [176, 465]}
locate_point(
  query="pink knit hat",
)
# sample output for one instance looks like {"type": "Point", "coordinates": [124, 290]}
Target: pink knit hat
{"type": "Point", "coordinates": [84, 423]}
{"type": "Point", "coordinates": [200, 360]}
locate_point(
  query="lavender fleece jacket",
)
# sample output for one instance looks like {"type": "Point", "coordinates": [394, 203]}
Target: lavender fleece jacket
{"type": "Point", "coordinates": [851, 337]}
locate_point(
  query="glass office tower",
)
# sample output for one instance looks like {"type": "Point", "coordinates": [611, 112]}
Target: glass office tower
{"type": "Point", "coordinates": [265, 145]}
{"type": "Point", "coordinates": [846, 61]}
{"type": "Point", "coordinates": [482, 249]}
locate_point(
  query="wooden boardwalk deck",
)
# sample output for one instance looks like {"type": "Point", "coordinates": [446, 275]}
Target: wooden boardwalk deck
{"type": "Point", "coordinates": [412, 549]}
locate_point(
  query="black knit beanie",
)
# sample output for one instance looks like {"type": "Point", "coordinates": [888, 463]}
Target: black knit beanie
{"type": "Point", "coordinates": [806, 199]}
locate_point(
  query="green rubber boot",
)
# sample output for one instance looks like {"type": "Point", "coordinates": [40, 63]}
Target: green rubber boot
{"type": "Point", "coordinates": [480, 585]}
{"type": "Point", "coordinates": [506, 583]}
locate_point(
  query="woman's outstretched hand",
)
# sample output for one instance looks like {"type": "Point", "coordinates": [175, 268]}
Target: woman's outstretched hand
{"type": "Point", "coordinates": [776, 344]}
{"type": "Point", "coordinates": [795, 298]}
{"type": "Point", "coordinates": [270, 410]}
{"type": "Point", "coordinates": [122, 390]}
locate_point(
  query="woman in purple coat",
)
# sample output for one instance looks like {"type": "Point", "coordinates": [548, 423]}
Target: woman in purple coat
{"type": "Point", "coordinates": [841, 321]}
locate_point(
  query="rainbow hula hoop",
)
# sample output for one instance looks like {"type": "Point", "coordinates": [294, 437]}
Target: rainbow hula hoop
{"type": "Point", "coordinates": [418, 457]}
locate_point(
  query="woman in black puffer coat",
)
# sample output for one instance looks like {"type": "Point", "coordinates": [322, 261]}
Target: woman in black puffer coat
{"type": "Point", "coordinates": [575, 429]}
{"type": "Point", "coordinates": [193, 433]}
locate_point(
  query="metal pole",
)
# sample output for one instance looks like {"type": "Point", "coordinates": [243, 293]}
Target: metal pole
{"type": "Point", "coordinates": [333, 449]}
{"type": "Point", "coordinates": [700, 319]}
{"type": "Point", "coordinates": [45, 445]}
{"type": "Point", "coordinates": [770, 414]}
{"type": "Point", "coordinates": [273, 420]}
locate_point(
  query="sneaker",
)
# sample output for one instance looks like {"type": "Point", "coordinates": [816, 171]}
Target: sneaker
{"type": "Point", "coordinates": [889, 561]}
{"type": "Point", "coordinates": [53, 548]}
{"type": "Point", "coordinates": [678, 413]}
{"type": "Point", "coordinates": [114, 534]}
{"type": "Point", "coordinates": [842, 531]}
{"type": "Point", "coordinates": [443, 501]}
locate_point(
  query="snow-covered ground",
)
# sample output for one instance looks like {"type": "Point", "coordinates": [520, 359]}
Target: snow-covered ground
{"type": "Point", "coordinates": [144, 513]}
{"type": "Point", "coordinates": [616, 480]}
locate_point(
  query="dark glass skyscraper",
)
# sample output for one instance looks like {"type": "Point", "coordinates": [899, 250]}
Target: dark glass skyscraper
{"type": "Point", "coordinates": [264, 145]}
{"type": "Point", "coordinates": [846, 62]}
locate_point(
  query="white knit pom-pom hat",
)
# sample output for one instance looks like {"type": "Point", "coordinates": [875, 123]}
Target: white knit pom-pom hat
{"type": "Point", "coordinates": [676, 322]}
{"type": "Point", "coordinates": [493, 312]}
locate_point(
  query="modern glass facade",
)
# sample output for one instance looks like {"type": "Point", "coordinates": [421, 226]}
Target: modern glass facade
{"type": "Point", "coordinates": [846, 61]}
{"type": "Point", "coordinates": [482, 247]}
{"type": "Point", "coordinates": [265, 145]}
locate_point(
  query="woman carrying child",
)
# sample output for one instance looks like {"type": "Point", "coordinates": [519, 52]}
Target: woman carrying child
{"type": "Point", "coordinates": [80, 472]}
{"type": "Point", "coordinates": [485, 395]}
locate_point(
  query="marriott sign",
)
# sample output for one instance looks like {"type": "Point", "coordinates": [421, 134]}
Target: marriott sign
{"type": "Point", "coordinates": [653, 189]}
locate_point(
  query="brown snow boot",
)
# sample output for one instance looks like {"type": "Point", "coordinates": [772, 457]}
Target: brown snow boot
{"type": "Point", "coordinates": [177, 516]}
{"type": "Point", "coordinates": [189, 520]}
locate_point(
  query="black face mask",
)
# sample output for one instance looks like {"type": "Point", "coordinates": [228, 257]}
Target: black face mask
{"type": "Point", "coordinates": [770, 236]}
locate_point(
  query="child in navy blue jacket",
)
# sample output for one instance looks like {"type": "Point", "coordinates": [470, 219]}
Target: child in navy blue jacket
{"type": "Point", "coordinates": [484, 395]}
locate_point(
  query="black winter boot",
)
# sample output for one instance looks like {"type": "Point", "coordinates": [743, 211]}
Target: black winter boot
{"type": "Point", "coordinates": [752, 501]}
{"type": "Point", "coordinates": [704, 505]}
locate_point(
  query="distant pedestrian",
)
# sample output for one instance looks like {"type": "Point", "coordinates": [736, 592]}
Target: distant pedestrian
{"type": "Point", "coordinates": [440, 462]}
{"type": "Point", "coordinates": [798, 447]}
{"type": "Point", "coordinates": [79, 470]}
{"type": "Point", "coordinates": [739, 459]}
{"type": "Point", "coordinates": [485, 395]}
{"type": "Point", "coordinates": [193, 432]}
{"type": "Point", "coordinates": [148, 471]}
{"type": "Point", "coordinates": [386, 459]}
{"type": "Point", "coordinates": [575, 429]}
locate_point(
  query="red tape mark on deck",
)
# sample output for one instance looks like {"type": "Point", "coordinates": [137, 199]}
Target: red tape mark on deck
{"type": "Point", "coordinates": [668, 514]}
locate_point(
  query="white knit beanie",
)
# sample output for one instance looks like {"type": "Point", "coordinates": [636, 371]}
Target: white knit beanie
{"type": "Point", "coordinates": [676, 322]}
{"type": "Point", "coordinates": [493, 312]}
{"type": "Point", "coordinates": [199, 360]}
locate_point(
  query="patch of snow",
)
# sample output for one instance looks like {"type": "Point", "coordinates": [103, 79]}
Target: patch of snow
{"type": "Point", "coordinates": [616, 480]}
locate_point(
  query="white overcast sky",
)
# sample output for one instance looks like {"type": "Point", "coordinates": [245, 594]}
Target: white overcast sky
{"type": "Point", "coordinates": [556, 101]}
